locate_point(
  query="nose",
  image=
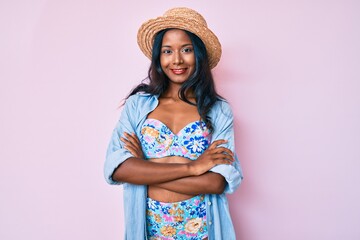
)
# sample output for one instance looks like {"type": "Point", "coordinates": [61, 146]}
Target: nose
{"type": "Point", "coordinates": [178, 58]}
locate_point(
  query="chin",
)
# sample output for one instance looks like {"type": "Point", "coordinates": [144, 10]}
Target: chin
{"type": "Point", "coordinates": [178, 81]}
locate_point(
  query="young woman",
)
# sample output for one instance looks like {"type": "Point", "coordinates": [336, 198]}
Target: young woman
{"type": "Point", "coordinates": [173, 147]}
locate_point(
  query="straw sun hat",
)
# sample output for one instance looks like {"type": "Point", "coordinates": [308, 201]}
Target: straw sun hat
{"type": "Point", "coordinates": [185, 19]}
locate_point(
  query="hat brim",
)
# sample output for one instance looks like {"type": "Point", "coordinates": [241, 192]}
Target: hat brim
{"type": "Point", "coordinates": [149, 29]}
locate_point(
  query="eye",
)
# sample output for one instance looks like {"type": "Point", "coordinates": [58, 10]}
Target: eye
{"type": "Point", "coordinates": [187, 50]}
{"type": "Point", "coordinates": [166, 51]}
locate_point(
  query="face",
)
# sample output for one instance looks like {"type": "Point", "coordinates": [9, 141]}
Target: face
{"type": "Point", "coordinates": [177, 56]}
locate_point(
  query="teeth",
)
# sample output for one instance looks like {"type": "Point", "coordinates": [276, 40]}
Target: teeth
{"type": "Point", "coordinates": [178, 71]}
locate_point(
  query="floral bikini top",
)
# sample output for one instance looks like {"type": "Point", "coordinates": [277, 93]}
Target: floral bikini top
{"type": "Point", "coordinates": [158, 140]}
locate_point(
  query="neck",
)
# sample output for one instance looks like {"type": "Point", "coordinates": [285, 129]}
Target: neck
{"type": "Point", "coordinates": [173, 93]}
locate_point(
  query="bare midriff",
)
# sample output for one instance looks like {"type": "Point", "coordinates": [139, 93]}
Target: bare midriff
{"type": "Point", "coordinates": [161, 194]}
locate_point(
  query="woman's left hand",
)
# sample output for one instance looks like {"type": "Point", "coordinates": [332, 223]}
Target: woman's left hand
{"type": "Point", "coordinates": [133, 145]}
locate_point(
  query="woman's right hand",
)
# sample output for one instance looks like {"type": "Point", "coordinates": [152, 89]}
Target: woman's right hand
{"type": "Point", "coordinates": [212, 156]}
{"type": "Point", "coordinates": [133, 145]}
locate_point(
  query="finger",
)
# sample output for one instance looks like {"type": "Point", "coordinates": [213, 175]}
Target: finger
{"type": "Point", "coordinates": [134, 148]}
{"type": "Point", "coordinates": [222, 161]}
{"type": "Point", "coordinates": [130, 149]}
{"type": "Point", "coordinates": [217, 143]}
{"type": "Point", "coordinates": [129, 146]}
{"type": "Point", "coordinates": [130, 137]}
{"type": "Point", "coordinates": [126, 141]}
{"type": "Point", "coordinates": [132, 140]}
{"type": "Point", "coordinates": [220, 150]}
{"type": "Point", "coordinates": [222, 156]}
{"type": "Point", "coordinates": [136, 138]}
{"type": "Point", "coordinates": [133, 151]}
{"type": "Point", "coordinates": [135, 142]}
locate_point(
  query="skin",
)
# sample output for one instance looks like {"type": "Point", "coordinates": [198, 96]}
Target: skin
{"type": "Point", "coordinates": [174, 178]}
{"type": "Point", "coordinates": [177, 58]}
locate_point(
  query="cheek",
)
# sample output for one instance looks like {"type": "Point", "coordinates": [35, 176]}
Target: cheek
{"type": "Point", "coordinates": [191, 60]}
{"type": "Point", "coordinates": [164, 62]}
{"type": "Point", "coordinates": [192, 63]}
{"type": "Point", "coordinates": [192, 70]}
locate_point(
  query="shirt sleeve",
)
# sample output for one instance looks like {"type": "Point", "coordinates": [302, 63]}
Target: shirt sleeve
{"type": "Point", "coordinates": [116, 153]}
{"type": "Point", "coordinates": [224, 129]}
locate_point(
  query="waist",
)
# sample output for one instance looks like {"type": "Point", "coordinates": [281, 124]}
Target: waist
{"type": "Point", "coordinates": [195, 200]}
{"type": "Point", "coordinates": [163, 195]}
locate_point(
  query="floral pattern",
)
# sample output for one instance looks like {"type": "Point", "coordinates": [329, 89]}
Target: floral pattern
{"type": "Point", "coordinates": [177, 221]}
{"type": "Point", "coordinates": [158, 140]}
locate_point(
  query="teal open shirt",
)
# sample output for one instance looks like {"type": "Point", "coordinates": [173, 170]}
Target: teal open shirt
{"type": "Point", "coordinates": [135, 111]}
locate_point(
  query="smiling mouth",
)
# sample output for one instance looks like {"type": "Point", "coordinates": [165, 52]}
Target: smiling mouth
{"type": "Point", "coordinates": [179, 71]}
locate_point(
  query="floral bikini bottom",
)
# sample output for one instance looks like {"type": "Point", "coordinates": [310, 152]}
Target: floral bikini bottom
{"type": "Point", "coordinates": [176, 220]}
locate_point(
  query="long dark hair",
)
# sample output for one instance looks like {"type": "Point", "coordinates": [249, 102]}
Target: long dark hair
{"type": "Point", "coordinates": [201, 82]}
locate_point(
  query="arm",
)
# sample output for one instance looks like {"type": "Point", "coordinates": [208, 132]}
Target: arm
{"type": "Point", "coordinates": [173, 179]}
{"type": "Point", "coordinates": [227, 176]}
{"type": "Point", "coordinates": [192, 185]}
{"type": "Point", "coordinates": [121, 165]}
{"type": "Point", "coordinates": [222, 117]}
{"type": "Point", "coordinates": [223, 177]}
{"type": "Point", "coordinates": [156, 171]}
{"type": "Point", "coordinates": [136, 170]}
{"type": "Point", "coordinates": [207, 183]}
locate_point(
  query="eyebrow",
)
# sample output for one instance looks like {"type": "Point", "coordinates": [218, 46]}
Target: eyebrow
{"type": "Point", "coordinates": [188, 44]}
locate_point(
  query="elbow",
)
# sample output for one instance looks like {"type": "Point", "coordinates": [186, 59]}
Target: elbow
{"type": "Point", "coordinates": [219, 186]}
{"type": "Point", "coordinates": [119, 175]}
{"type": "Point", "coordinates": [125, 173]}
{"type": "Point", "coordinates": [116, 178]}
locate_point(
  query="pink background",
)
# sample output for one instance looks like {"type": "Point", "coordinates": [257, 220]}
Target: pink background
{"type": "Point", "coordinates": [290, 69]}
